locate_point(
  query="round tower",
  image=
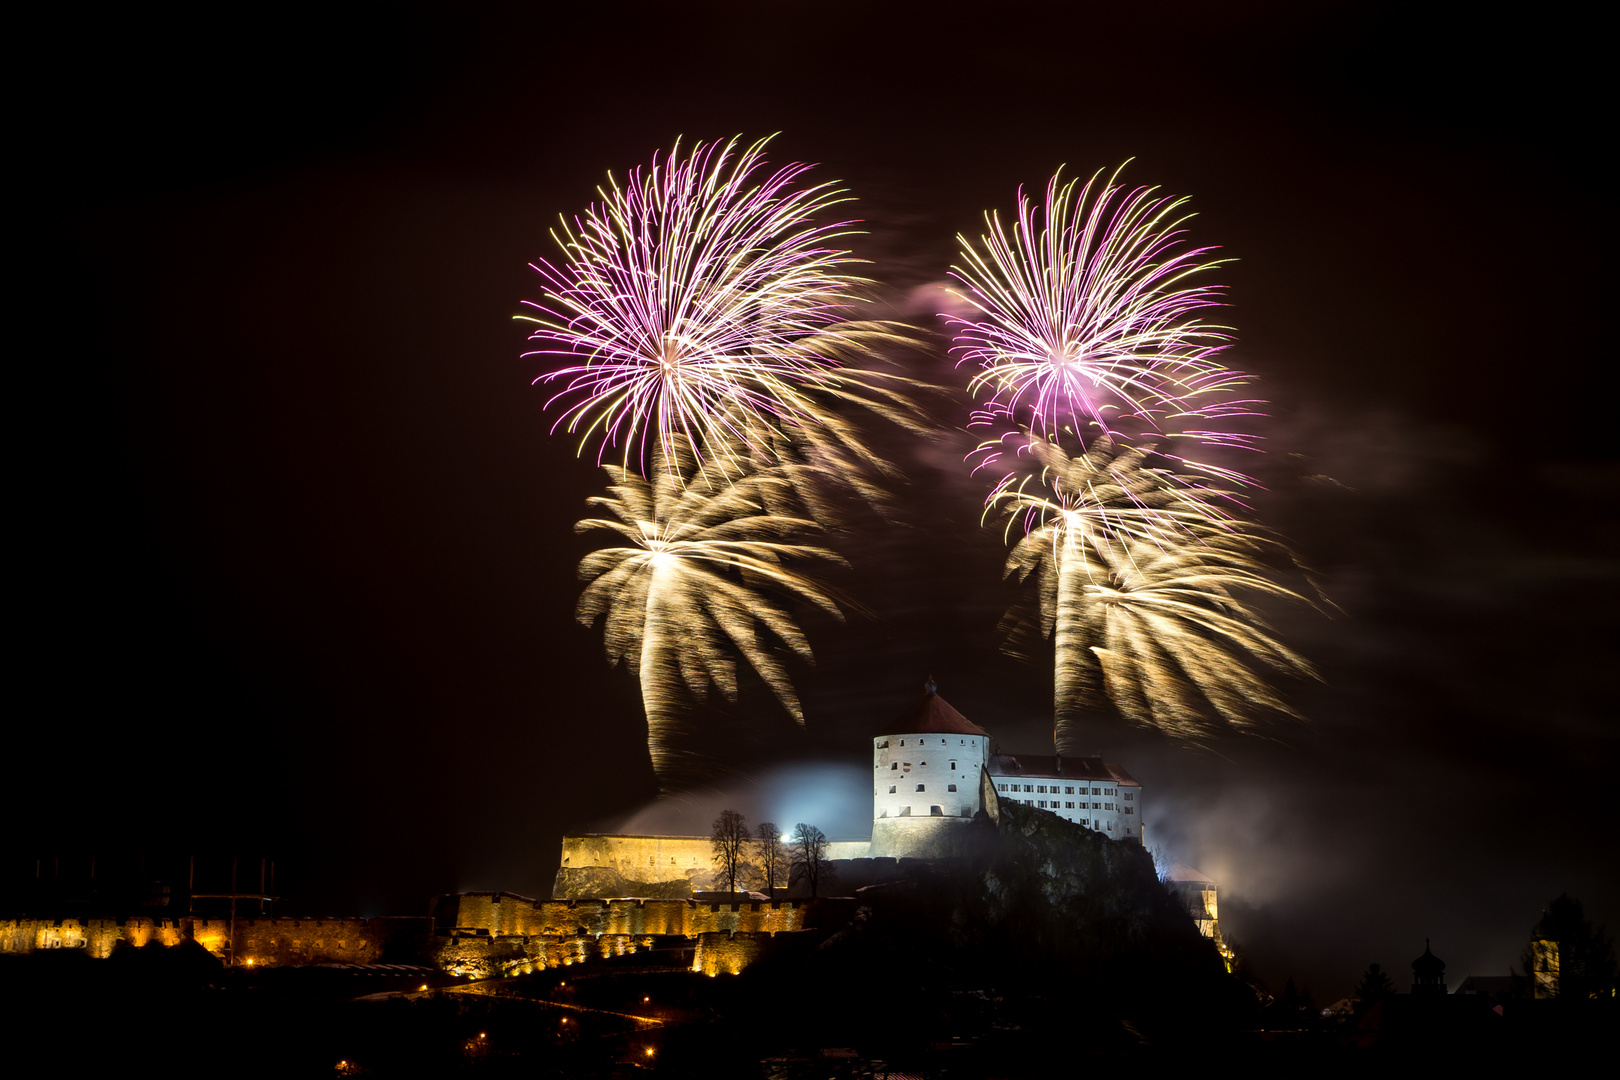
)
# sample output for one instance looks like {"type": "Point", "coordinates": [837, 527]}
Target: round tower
{"type": "Point", "coordinates": [925, 779]}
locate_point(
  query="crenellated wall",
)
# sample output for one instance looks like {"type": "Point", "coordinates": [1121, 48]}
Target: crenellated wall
{"type": "Point", "coordinates": [486, 934]}
{"type": "Point", "coordinates": [504, 914]}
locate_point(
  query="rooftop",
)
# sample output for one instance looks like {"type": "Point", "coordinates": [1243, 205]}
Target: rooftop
{"type": "Point", "coordinates": [932, 716]}
{"type": "Point", "coordinates": [1068, 768]}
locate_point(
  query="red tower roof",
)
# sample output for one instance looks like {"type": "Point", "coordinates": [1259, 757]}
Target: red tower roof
{"type": "Point", "coordinates": [932, 716]}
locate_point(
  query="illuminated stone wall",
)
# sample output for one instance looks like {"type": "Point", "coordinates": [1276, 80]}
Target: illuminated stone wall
{"type": "Point", "coordinates": [727, 954]}
{"type": "Point", "coordinates": [95, 936]}
{"type": "Point", "coordinates": [669, 867]}
{"type": "Point", "coordinates": [486, 934]}
{"type": "Point", "coordinates": [507, 914]}
{"type": "Point", "coordinates": [913, 775]}
{"type": "Point", "coordinates": [272, 942]}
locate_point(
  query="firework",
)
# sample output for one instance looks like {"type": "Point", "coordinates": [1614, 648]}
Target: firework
{"type": "Point", "coordinates": [1144, 581]}
{"type": "Point", "coordinates": [702, 302]}
{"type": "Point", "coordinates": [1089, 312]}
{"type": "Point", "coordinates": [705, 565]}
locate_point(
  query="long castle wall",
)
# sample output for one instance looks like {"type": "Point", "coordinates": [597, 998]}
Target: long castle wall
{"type": "Point", "coordinates": [485, 934]}
{"type": "Point", "coordinates": [507, 914]}
{"type": "Point", "coordinates": [271, 942]}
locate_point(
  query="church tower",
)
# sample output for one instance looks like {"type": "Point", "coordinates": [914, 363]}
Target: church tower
{"type": "Point", "coordinates": [925, 779]}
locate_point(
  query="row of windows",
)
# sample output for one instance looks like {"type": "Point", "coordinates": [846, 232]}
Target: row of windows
{"type": "Point", "coordinates": [924, 787]}
{"type": "Point", "coordinates": [920, 742]}
{"type": "Point", "coordinates": [1053, 789]}
{"type": "Point", "coordinates": [920, 764]}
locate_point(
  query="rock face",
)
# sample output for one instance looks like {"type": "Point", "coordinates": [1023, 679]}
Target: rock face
{"type": "Point", "coordinates": [1046, 916]}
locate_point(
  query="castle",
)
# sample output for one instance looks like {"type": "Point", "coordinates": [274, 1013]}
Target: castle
{"type": "Point", "coordinates": [927, 768]}
{"type": "Point", "coordinates": [933, 771]}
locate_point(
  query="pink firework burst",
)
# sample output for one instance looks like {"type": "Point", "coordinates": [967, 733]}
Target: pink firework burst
{"type": "Point", "coordinates": [693, 303]}
{"type": "Point", "coordinates": [1088, 313]}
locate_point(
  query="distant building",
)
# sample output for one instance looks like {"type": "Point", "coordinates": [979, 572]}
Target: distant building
{"type": "Point", "coordinates": [1428, 973]}
{"type": "Point", "coordinates": [1198, 892]}
{"type": "Point", "coordinates": [925, 783]}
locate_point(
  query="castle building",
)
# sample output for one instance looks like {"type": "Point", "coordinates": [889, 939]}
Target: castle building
{"type": "Point", "coordinates": [926, 772]}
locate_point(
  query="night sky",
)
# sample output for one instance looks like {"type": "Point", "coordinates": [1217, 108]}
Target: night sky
{"type": "Point", "coordinates": [296, 569]}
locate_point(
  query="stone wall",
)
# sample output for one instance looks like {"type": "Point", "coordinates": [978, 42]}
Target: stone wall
{"type": "Point", "coordinates": [727, 954]}
{"type": "Point", "coordinates": [670, 867]}
{"type": "Point", "coordinates": [485, 934]}
{"type": "Point", "coordinates": [508, 914]}
{"type": "Point", "coordinates": [271, 942]}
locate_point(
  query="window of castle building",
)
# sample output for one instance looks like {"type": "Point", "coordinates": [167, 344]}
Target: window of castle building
{"type": "Point", "coordinates": [1068, 791]}
{"type": "Point", "coordinates": [1130, 809]}
{"type": "Point", "coordinates": [920, 763]}
{"type": "Point", "coordinates": [1096, 791]}
{"type": "Point", "coordinates": [894, 765]}
{"type": "Point", "coordinates": [1027, 787]}
{"type": "Point", "coordinates": [922, 787]}
{"type": "Point", "coordinates": [891, 789]}
{"type": "Point", "coordinates": [1068, 806]}
{"type": "Point", "coordinates": [950, 787]}
{"type": "Point", "coordinates": [953, 764]}
{"type": "Point", "coordinates": [1108, 806]}
{"type": "Point", "coordinates": [1129, 796]}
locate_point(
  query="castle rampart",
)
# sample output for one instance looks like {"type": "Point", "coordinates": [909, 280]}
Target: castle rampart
{"type": "Point", "coordinates": [268, 941]}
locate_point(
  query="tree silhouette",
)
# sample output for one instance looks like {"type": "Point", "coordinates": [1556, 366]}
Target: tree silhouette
{"type": "Point", "coordinates": [810, 861]}
{"type": "Point", "coordinates": [1374, 986]}
{"type": "Point", "coordinates": [729, 841]}
{"type": "Point", "coordinates": [772, 866]}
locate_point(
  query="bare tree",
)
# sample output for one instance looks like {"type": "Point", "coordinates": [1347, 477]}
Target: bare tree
{"type": "Point", "coordinates": [729, 841]}
{"type": "Point", "coordinates": [772, 858]}
{"type": "Point", "coordinates": [810, 856]}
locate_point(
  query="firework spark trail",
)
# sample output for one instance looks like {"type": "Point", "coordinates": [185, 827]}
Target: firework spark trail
{"type": "Point", "coordinates": [701, 302]}
{"type": "Point", "coordinates": [705, 565]}
{"type": "Point", "coordinates": [1142, 578]}
{"type": "Point", "coordinates": [1089, 312]}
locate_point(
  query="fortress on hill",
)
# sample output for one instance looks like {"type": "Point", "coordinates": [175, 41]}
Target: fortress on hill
{"type": "Point", "coordinates": [927, 770]}
{"type": "Point", "coordinates": [934, 774]}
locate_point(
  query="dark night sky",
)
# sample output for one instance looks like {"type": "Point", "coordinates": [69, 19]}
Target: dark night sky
{"type": "Point", "coordinates": [297, 560]}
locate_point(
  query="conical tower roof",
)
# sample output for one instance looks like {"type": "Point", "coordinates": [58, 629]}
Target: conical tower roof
{"type": "Point", "coordinates": [931, 715]}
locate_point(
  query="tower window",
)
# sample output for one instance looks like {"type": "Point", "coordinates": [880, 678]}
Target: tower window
{"type": "Point", "coordinates": [894, 765]}
{"type": "Point", "coordinates": [951, 787]}
{"type": "Point", "coordinates": [953, 764]}
{"type": "Point", "coordinates": [922, 787]}
{"type": "Point", "coordinates": [891, 789]}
